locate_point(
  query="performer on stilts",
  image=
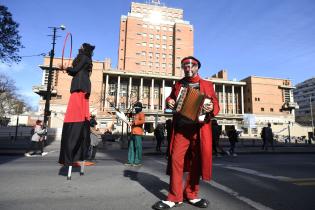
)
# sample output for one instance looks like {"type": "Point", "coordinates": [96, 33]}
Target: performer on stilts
{"type": "Point", "coordinates": [75, 138]}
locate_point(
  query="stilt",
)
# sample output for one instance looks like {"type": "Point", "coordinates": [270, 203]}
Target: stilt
{"type": "Point", "coordinates": [69, 173]}
{"type": "Point", "coordinates": [82, 168]}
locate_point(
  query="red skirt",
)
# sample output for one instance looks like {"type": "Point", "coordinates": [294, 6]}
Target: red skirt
{"type": "Point", "coordinates": [78, 108]}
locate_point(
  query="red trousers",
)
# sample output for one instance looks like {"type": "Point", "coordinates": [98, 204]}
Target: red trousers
{"type": "Point", "coordinates": [185, 141]}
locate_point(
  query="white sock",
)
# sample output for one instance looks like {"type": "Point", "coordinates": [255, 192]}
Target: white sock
{"type": "Point", "coordinates": [170, 203]}
{"type": "Point", "coordinates": [195, 200]}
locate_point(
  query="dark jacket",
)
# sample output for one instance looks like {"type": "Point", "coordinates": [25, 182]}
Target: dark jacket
{"type": "Point", "coordinates": [80, 72]}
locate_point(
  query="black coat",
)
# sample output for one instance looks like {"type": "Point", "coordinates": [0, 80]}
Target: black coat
{"type": "Point", "coordinates": [80, 72]}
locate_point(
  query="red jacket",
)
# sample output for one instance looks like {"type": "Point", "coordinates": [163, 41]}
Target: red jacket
{"type": "Point", "coordinates": [206, 87]}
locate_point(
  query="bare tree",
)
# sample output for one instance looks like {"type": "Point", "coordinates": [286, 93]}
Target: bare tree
{"type": "Point", "coordinates": [10, 102]}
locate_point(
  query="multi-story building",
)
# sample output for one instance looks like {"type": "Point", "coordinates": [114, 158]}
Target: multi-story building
{"type": "Point", "coordinates": [269, 100]}
{"type": "Point", "coordinates": [304, 95]}
{"type": "Point", "coordinates": [153, 39]}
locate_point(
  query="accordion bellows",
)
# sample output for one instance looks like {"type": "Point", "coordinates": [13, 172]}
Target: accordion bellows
{"type": "Point", "coordinates": [189, 103]}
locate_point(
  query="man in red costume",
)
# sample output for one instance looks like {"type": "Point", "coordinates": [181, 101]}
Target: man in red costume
{"type": "Point", "coordinates": [191, 142]}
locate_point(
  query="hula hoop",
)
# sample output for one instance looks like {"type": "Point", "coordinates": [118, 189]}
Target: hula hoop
{"type": "Point", "coordinates": [63, 50]}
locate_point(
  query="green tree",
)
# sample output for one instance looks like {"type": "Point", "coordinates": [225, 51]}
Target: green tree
{"type": "Point", "coordinates": [10, 40]}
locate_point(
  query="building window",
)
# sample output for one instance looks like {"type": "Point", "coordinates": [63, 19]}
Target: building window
{"type": "Point", "coordinates": [170, 47]}
{"type": "Point", "coordinates": [151, 45]}
{"type": "Point", "coordinates": [144, 44]}
{"type": "Point", "coordinates": [146, 92]}
{"type": "Point", "coordinates": [164, 37]}
{"type": "Point", "coordinates": [164, 65]}
{"type": "Point", "coordinates": [262, 109]}
{"type": "Point", "coordinates": [145, 26]}
{"type": "Point", "coordinates": [164, 46]}
{"type": "Point", "coordinates": [150, 54]}
{"type": "Point", "coordinates": [112, 89]}
{"type": "Point", "coordinates": [271, 109]}
{"type": "Point", "coordinates": [144, 35]}
{"type": "Point", "coordinates": [123, 90]}
{"type": "Point", "coordinates": [157, 46]}
{"type": "Point", "coordinates": [163, 55]}
{"type": "Point", "coordinates": [156, 92]}
{"type": "Point", "coordinates": [157, 37]}
{"type": "Point", "coordinates": [143, 53]}
{"type": "Point", "coordinates": [157, 55]}
{"type": "Point", "coordinates": [143, 63]}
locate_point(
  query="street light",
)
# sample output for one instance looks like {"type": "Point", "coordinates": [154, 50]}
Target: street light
{"type": "Point", "coordinates": [47, 112]}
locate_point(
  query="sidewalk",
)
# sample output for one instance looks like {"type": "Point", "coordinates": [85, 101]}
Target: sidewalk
{"type": "Point", "coordinates": [244, 146]}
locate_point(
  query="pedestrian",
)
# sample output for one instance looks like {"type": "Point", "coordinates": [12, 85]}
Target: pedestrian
{"type": "Point", "coordinates": [75, 138]}
{"type": "Point", "coordinates": [216, 132]}
{"type": "Point", "coordinates": [95, 138]}
{"type": "Point", "coordinates": [233, 139]}
{"type": "Point", "coordinates": [191, 142]}
{"type": "Point", "coordinates": [37, 140]}
{"type": "Point", "coordinates": [135, 142]}
{"type": "Point", "coordinates": [267, 137]}
{"type": "Point", "coordinates": [168, 125]}
{"type": "Point", "coordinates": [159, 136]}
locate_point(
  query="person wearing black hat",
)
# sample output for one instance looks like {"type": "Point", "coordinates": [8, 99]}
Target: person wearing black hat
{"type": "Point", "coordinates": [135, 143]}
{"type": "Point", "coordinates": [75, 138]}
{"type": "Point", "coordinates": [191, 142]}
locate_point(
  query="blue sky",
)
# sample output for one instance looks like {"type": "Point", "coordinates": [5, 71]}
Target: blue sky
{"type": "Point", "coordinates": [269, 38]}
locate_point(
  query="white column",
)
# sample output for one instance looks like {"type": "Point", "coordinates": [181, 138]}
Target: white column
{"type": "Point", "coordinates": [213, 86]}
{"type": "Point", "coordinates": [242, 99]}
{"type": "Point", "coordinates": [129, 91]}
{"type": "Point", "coordinates": [173, 82]}
{"type": "Point", "coordinates": [233, 100]}
{"type": "Point", "coordinates": [163, 95]}
{"type": "Point", "coordinates": [152, 94]}
{"type": "Point", "coordinates": [224, 99]}
{"type": "Point", "coordinates": [141, 90]}
{"type": "Point", "coordinates": [106, 91]}
{"type": "Point", "coordinates": [118, 91]}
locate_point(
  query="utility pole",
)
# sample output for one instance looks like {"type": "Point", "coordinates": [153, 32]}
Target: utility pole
{"type": "Point", "coordinates": [47, 111]}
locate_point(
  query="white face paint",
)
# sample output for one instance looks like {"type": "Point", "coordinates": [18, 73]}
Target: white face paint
{"type": "Point", "coordinates": [190, 69]}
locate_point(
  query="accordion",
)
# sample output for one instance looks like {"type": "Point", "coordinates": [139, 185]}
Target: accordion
{"type": "Point", "coordinates": [189, 104]}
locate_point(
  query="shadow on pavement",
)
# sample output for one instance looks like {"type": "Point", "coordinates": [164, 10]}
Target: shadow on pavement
{"type": "Point", "coordinates": [151, 183]}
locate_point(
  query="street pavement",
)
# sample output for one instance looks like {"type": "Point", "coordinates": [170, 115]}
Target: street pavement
{"type": "Point", "coordinates": [255, 179]}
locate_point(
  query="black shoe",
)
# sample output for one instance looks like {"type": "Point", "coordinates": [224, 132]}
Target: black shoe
{"type": "Point", "coordinates": [161, 205]}
{"type": "Point", "coordinates": [203, 203]}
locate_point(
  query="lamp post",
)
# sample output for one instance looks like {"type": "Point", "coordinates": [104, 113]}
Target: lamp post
{"type": "Point", "coordinates": [47, 112]}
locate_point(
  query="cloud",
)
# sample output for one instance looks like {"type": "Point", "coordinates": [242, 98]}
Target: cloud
{"type": "Point", "coordinates": [12, 68]}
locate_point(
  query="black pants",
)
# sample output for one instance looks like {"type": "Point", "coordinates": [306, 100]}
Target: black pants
{"type": "Point", "coordinates": [36, 146]}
